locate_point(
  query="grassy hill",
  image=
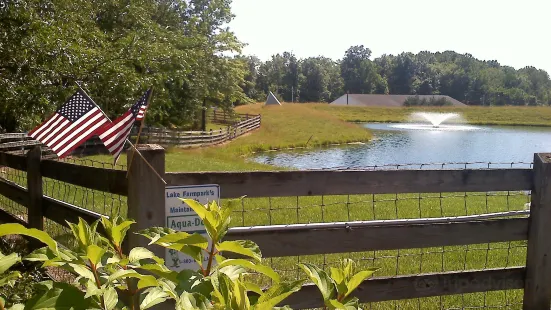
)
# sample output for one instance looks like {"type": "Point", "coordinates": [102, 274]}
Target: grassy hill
{"type": "Point", "coordinates": [528, 116]}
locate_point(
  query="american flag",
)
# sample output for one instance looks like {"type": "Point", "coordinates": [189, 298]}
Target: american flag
{"type": "Point", "coordinates": [113, 135]}
{"type": "Point", "coordinates": [73, 123]}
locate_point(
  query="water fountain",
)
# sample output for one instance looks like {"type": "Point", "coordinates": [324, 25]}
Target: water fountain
{"type": "Point", "coordinates": [435, 121]}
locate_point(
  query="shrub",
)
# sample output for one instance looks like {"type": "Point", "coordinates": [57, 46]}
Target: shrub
{"type": "Point", "coordinates": [107, 278]}
{"type": "Point", "coordinates": [432, 101]}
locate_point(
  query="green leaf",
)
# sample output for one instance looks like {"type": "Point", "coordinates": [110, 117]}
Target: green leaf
{"type": "Point", "coordinates": [320, 278]}
{"type": "Point", "coordinates": [193, 282]}
{"type": "Point", "coordinates": [161, 271]}
{"type": "Point", "coordinates": [335, 304]}
{"type": "Point", "coordinates": [94, 253]}
{"type": "Point", "coordinates": [92, 289]}
{"type": "Point", "coordinates": [9, 279]}
{"type": "Point", "coordinates": [18, 229]}
{"type": "Point", "coordinates": [17, 307]}
{"type": "Point", "coordinates": [224, 223]}
{"type": "Point", "coordinates": [139, 253]}
{"type": "Point", "coordinates": [240, 300]}
{"type": "Point", "coordinates": [277, 293]}
{"type": "Point", "coordinates": [6, 262]}
{"type": "Point", "coordinates": [192, 301]}
{"type": "Point", "coordinates": [119, 232]}
{"type": "Point", "coordinates": [153, 297]}
{"type": "Point", "coordinates": [233, 271]}
{"type": "Point", "coordinates": [147, 281]}
{"type": "Point", "coordinates": [358, 278]}
{"type": "Point", "coordinates": [110, 298]}
{"type": "Point", "coordinates": [82, 271]}
{"type": "Point", "coordinates": [85, 234]}
{"type": "Point", "coordinates": [250, 265]}
{"type": "Point", "coordinates": [197, 207]}
{"type": "Point", "coordinates": [154, 233]}
{"type": "Point", "coordinates": [338, 276]}
{"type": "Point", "coordinates": [253, 287]}
{"type": "Point", "coordinates": [123, 274]}
{"type": "Point", "coordinates": [243, 247]}
{"type": "Point", "coordinates": [222, 286]}
{"type": "Point", "coordinates": [58, 296]}
{"type": "Point", "coordinates": [180, 239]}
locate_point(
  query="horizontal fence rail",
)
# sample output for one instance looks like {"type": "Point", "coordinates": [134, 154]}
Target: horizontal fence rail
{"type": "Point", "coordinates": [309, 183]}
{"type": "Point", "coordinates": [166, 137]}
{"type": "Point", "coordinates": [299, 240]}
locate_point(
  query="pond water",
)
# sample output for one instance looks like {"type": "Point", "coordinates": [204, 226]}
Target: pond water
{"type": "Point", "coordinates": [422, 144]}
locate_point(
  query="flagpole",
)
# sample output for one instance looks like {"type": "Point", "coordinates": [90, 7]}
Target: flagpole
{"type": "Point", "coordinates": [148, 105]}
{"type": "Point", "coordinates": [132, 145]}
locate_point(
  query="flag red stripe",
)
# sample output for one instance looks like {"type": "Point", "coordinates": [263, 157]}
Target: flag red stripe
{"type": "Point", "coordinates": [121, 135]}
{"type": "Point", "coordinates": [113, 129]}
{"type": "Point", "coordinates": [70, 136]}
{"type": "Point", "coordinates": [86, 135]}
{"type": "Point", "coordinates": [90, 130]}
{"type": "Point", "coordinates": [42, 126]}
{"type": "Point", "coordinates": [119, 150]}
{"type": "Point", "coordinates": [52, 127]}
{"type": "Point", "coordinates": [51, 136]}
{"type": "Point", "coordinates": [72, 129]}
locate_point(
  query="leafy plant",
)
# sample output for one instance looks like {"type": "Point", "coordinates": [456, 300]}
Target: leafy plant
{"type": "Point", "coordinates": [223, 281]}
{"type": "Point", "coordinates": [337, 287]}
{"type": "Point", "coordinates": [107, 278]}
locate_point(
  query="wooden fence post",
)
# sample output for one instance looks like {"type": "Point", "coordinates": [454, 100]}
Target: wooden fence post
{"type": "Point", "coordinates": [146, 202]}
{"type": "Point", "coordinates": [537, 286]}
{"type": "Point", "coordinates": [34, 188]}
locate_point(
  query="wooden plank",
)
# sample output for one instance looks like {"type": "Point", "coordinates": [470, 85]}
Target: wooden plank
{"type": "Point", "coordinates": [313, 183]}
{"type": "Point", "coordinates": [6, 217]}
{"type": "Point", "coordinates": [146, 196]}
{"type": "Point", "coordinates": [419, 286]}
{"type": "Point", "coordinates": [107, 180]}
{"type": "Point", "coordinates": [13, 161]}
{"type": "Point", "coordinates": [537, 292]}
{"type": "Point", "coordinates": [34, 188]}
{"type": "Point", "coordinates": [61, 212]}
{"type": "Point", "coordinates": [14, 192]}
{"type": "Point", "coordinates": [19, 144]}
{"type": "Point", "coordinates": [308, 239]}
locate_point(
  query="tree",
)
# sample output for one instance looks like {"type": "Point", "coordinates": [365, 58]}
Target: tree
{"type": "Point", "coordinates": [360, 74]}
{"type": "Point", "coordinates": [116, 49]}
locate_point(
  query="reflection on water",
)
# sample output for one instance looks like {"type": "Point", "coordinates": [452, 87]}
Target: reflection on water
{"type": "Point", "coordinates": [406, 144]}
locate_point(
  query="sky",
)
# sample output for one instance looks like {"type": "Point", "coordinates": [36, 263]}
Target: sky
{"type": "Point", "coordinates": [515, 33]}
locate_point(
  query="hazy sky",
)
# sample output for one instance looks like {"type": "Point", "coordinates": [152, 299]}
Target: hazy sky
{"type": "Point", "coordinates": [515, 33]}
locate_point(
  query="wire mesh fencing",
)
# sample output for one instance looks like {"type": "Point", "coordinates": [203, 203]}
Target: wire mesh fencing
{"type": "Point", "coordinates": [435, 207]}
{"type": "Point", "coordinates": [413, 208]}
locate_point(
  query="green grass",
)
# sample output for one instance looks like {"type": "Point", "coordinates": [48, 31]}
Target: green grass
{"type": "Point", "coordinates": [291, 126]}
{"type": "Point", "coordinates": [529, 116]}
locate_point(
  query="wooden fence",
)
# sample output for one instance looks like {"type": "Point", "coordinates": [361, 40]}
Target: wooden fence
{"type": "Point", "coordinates": [188, 139]}
{"type": "Point", "coordinates": [145, 194]}
{"type": "Point", "coordinates": [235, 125]}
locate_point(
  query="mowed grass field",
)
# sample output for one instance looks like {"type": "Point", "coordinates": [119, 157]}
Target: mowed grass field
{"type": "Point", "coordinates": [292, 126]}
{"type": "Point", "coordinates": [528, 116]}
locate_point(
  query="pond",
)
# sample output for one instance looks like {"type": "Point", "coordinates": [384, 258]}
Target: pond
{"type": "Point", "coordinates": [422, 144]}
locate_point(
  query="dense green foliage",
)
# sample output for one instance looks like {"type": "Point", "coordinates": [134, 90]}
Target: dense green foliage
{"type": "Point", "coordinates": [107, 278]}
{"type": "Point", "coordinates": [460, 76]}
{"type": "Point", "coordinates": [432, 101]}
{"type": "Point", "coordinates": [117, 49]}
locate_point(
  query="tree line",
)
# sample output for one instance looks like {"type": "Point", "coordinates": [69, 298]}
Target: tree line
{"type": "Point", "coordinates": [460, 76]}
{"type": "Point", "coordinates": [183, 48]}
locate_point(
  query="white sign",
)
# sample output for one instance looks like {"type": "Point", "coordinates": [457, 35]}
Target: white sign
{"type": "Point", "coordinates": [180, 217]}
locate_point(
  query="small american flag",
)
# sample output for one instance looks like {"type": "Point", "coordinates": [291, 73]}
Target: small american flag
{"type": "Point", "coordinates": [73, 123]}
{"type": "Point", "coordinates": [113, 135]}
